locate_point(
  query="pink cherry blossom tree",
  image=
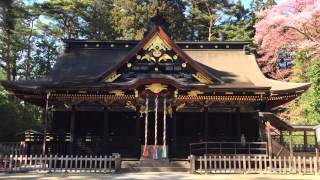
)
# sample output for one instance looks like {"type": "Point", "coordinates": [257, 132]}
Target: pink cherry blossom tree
{"type": "Point", "coordinates": [292, 24]}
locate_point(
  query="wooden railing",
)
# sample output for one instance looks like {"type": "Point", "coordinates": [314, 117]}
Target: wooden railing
{"type": "Point", "coordinates": [228, 148]}
{"type": "Point", "coordinates": [254, 164]}
{"type": "Point", "coordinates": [300, 143]}
{"type": "Point", "coordinates": [12, 148]}
{"type": "Point", "coordinates": [55, 163]}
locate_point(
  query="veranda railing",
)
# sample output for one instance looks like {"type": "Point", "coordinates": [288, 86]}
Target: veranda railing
{"type": "Point", "coordinates": [228, 148]}
{"type": "Point", "coordinates": [55, 163]}
{"type": "Point", "coordinates": [254, 164]}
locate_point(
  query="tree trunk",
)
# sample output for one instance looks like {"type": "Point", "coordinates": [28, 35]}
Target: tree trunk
{"type": "Point", "coordinates": [28, 61]}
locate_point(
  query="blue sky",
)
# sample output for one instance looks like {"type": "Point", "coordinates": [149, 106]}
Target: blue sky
{"type": "Point", "coordinates": [246, 3]}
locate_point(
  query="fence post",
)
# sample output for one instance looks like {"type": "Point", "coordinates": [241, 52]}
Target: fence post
{"type": "Point", "coordinates": [244, 164]}
{"type": "Point", "coordinates": [10, 162]}
{"type": "Point", "coordinates": [192, 160]}
{"type": "Point", "coordinates": [205, 163]}
{"type": "Point", "coordinates": [66, 163]}
{"type": "Point", "coordinates": [117, 165]}
{"type": "Point", "coordinates": [315, 159]}
{"type": "Point", "coordinates": [50, 163]}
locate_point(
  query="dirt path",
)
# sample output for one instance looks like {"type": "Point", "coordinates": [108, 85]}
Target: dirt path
{"type": "Point", "coordinates": [155, 176]}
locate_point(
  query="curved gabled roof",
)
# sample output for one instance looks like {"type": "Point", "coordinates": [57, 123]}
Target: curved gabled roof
{"type": "Point", "coordinates": [85, 65]}
{"type": "Point", "coordinates": [238, 69]}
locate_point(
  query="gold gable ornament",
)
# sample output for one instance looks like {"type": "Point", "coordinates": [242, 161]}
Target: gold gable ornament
{"type": "Point", "coordinates": [156, 45]}
{"type": "Point", "coordinates": [156, 87]}
{"type": "Point", "coordinates": [165, 58]}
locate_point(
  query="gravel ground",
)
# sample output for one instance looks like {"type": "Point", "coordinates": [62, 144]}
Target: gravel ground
{"type": "Point", "coordinates": [155, 176]}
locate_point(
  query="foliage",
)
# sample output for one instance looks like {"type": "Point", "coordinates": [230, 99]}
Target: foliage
{"type": "Point", "coordinates": [291, 24]}
{"type": "Point", "coordinates": [204, 18]}
{"type": "Point", "coordinates": [16, 116]}
{"type": "Point", "coordinates": [306, 109]}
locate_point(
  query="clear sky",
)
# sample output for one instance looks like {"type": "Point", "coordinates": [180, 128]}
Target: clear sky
{"type": "Point", "coordinates": [246, 3]}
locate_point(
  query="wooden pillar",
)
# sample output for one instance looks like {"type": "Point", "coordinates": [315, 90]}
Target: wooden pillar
{"type": "Point", "coordinates": [105, 130]}
{"type": "Point", "coordinates": [238, 124]}
{"type": "Point", "coordinates": [138, 134]}
{"type": "Point", "coordinates": [174, 132]}
{"type": "Point", "coordinates": [305, 140]}
{"type": "Point", "coordinates": [269, 138]}
{"type": "Point", "coordinates": [290, 143]}
{"type": "Point", "coordinates": [281, 137]}
{"type": "Point", "coordinates": [45, 125]}
{"type": "Point", "coordinates": [72, 130]}
{"type": "Point", "coordinates": [206, 124]}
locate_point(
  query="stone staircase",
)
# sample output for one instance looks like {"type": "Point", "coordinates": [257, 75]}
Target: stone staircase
{"type": "Point", "coordinates": [155, 166]}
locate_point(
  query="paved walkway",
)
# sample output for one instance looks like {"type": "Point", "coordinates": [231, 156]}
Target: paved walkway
{"type": "Point", "coordinates": [154, 176]}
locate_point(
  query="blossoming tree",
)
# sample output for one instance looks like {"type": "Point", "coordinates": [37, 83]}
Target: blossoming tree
{"type": "Point", "coordinates": [293, 24]}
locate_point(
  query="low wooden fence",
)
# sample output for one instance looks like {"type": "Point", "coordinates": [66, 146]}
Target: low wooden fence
{"type": "Point", "coordinates": [55, 163]}
{"type": "Point", "coordinates": [254, 164]}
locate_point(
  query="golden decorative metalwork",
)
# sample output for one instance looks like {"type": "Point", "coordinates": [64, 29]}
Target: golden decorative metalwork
{"type": "Point", "coordinates": [117, 92]}
{"type": "Point", "coordinates": [130, 106]}
{"type": "Point", "coordinates": [169, 110]}
{"type": "Point", "coordinates": [136, 93]}
{"type": "Point", "coordinates": [195, 93]}
{"type": "Point", "coordinates": [156, 45]}
{"type": "Point", "coordinates": [148, 58]}
{"type": "Point", "coordinates": [180, 106]}
{"type": "Point", "coordinates": [112, 77]}
{"type": "Point", "coordinates": [201, 78]}
{"type": "Point", "coordinates": [175, 57]}
{"type": "Point", "coordinates": [165, 58]}
{"type": "Point", "coordinates": [142, 110]}
{"type": "Point", "coordinates": [156, 87]}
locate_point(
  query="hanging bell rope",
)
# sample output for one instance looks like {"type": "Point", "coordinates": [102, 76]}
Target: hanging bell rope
{"type": "Point", "coordinates": [155, 150]}
{"type": "Point", "coordinates": [145, 150]}
{"type": "Point", "coordinates": [164, 148]}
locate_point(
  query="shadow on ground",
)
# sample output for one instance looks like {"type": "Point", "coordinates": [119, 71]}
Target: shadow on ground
{"type": "Point", "coordinates": [155, 176]}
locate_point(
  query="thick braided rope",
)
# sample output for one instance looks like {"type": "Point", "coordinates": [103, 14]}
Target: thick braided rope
{"type": "Point", "coordinates": [164, 120]}
{"type": "Point", "coordinates": [146, 123]}
{"type": "Point", "coordinates": [156, 121]}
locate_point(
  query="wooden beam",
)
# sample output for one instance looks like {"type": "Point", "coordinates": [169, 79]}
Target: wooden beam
{"type": "Point", "coordinates": [290, 144]}
{"type": "Point", "coordinates": [305, 140]}
{"type": "Point", "coordinates": [269, 138]}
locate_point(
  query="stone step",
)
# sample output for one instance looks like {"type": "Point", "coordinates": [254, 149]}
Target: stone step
{"type": "Point", "coordinates": [155, 166]}
{"type": "Point", "coordinates": [154, 169]}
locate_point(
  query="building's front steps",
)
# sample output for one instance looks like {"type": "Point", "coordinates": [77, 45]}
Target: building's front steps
{"type": "Point", "coordinates": [155, 166]}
